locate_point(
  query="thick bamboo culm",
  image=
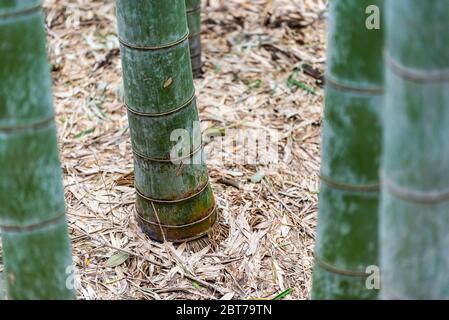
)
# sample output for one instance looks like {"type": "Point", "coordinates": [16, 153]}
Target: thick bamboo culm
{"type": "Point", "coordinates": [348, 211]}
{"type": "Point", "coordinates": [414, 216]}
{"type": "Point", "coordinates": [36, 247]}
{"type": "Point", "coordinates": [193, 8]}
{"type": "Point", "coordinates": [174, 201]}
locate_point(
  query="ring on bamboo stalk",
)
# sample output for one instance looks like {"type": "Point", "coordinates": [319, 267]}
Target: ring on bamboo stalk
{"type": "Point", "coordinates": [154, 139]}
{"type": "Point", "coordinates": [195, 56]}
{"type": "Point", "coordinates": [408, 194]}
{"type": "Point", "coordinates": [177, 220]}
{"type": "Point", "coordinates": [188, 197]}
{"type": "Point", "coordinates": [35, 125]}
{"type": "Point", "coordinates": [195, 9]}
{"type": "Point", "coordinates": [21, 12]}
{"type": "Point", "coordinates": [178, 226]}
{"type": "Point", "coordinates": [180, 234]}
{"type": "Point", "coordinates": [155, 48]}
{"type": "Point", "coordinates": [161, 114]}
{"type": "Point", "coordinates": [413, 74]}
{"type": "Point", "coordinates": [341, 271]}
{"type": "Point", "coordinates": [34, 226]}
{"type": "Point", "coordinates": [338, 85]}
{"type": "Point", "coordinates": [350, 187]}
{"type": "Point", "coordinates": [172, 160]}
{"type": "Point", "coordinates": [193, 35]}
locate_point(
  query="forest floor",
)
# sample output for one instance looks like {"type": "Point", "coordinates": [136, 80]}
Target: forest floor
{"type": "Point", "coordinates": [264, 61]}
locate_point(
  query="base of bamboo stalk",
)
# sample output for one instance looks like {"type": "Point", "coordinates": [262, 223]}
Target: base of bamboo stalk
{"type": "Point", "coordinates": [218, 232]}
{"type": "Point", "coordinates": [187, 218]}
{"type": "Point", "coordinates": [188, 233]}
{"type": "Point", "coordinates": [212, 237]}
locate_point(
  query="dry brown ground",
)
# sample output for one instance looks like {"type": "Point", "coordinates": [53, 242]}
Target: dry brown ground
{"type": "Point", "coordinates": [255, 77]}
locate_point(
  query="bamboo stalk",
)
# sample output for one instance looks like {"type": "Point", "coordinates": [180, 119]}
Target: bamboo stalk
{"type": "Point", "coordinates": [414, 215]}
{"type": "Point", "coordinates": [36, 246]}
{"type": "Point", "coordinates": [347, 225]}
{"type": "Point", "coordinates": [193, 10]}
{"type": "Point", "coordinates": [2, 287]}
{"type": "Point", "coordinates": [174, 200]}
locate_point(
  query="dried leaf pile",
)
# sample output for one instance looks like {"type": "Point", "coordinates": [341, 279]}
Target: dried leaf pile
{"type": "Point", "coordinates": [264, 63]}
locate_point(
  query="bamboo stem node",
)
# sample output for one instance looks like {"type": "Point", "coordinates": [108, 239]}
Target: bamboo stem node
{"type": "Point", "coordinates": [350, 187]}
{"type": "Point", "coordinates": [191, 36]}
{"type": "Point", "coordinates": [338, 85]}
{"type": "Point", "coordinates": [161, 114]}
{"type": "Point", "coordinates": [415, 75]}
{"type": "Point", "coordinates": [344, 272]}
{"type": "Point", "coordinates": [36, 125]}
{"type": "Point", "coordinates": [410, 195]}
{"type": "Point", "coordinates": [173, 201]}
{"type": "Point", "coordinates": [175, 160]}
{"type": "Point", "coordinates": [34, 226]}
{"type": "Point", "coordinates": [21, 12]}
{"type": "Point", "coordinates": [196, 55]}
{"type": "Point", "coordinates": [212, 212]}
{"type": "Point", "coordinates": [155, 48]}
{"type": "Point", "coordinates": [192, 10]}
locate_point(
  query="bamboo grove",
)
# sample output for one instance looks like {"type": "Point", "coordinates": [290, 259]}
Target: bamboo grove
{"type": "Point", "coordinates": [384, 195]}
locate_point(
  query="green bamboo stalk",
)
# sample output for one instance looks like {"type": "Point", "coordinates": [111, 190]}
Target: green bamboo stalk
{"type": "Point", "coordinates": [347, 225]}
{"type": "Point", "coordinates": [36, 247]}
{"type": "Point", "coordinates": [2, 288]}
{"type": "Point", "coordinates": [414, 215]}
{"type": "Point", "coordinates": [174, 201]}
{"type": "Point", "coordinates": [193, 8]}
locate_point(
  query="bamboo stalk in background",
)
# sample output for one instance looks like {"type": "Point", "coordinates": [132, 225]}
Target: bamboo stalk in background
{"type": "Point", "coordinates": [193, 8]}
{"type": "Point", "coordinates": [347, 225]}
{"type": "Point", "coordinates": [36, 248]}
{"type": "Point", "coordinates": [174, 201]}
{"type": "Point", "coordinates": [414, 216]}
{"type": "Point", "coordinates": [2, 288]}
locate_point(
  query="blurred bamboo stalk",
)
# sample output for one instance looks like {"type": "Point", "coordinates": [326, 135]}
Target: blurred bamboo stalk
{"type": "Point", "coordinates": [36, 247]}
{"type": "Point", "coordinates": [193, 10]}
{"type": "Point", "coordinates": [348, 202]}
{"type": "Point", "coordinates": [414, 215]}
